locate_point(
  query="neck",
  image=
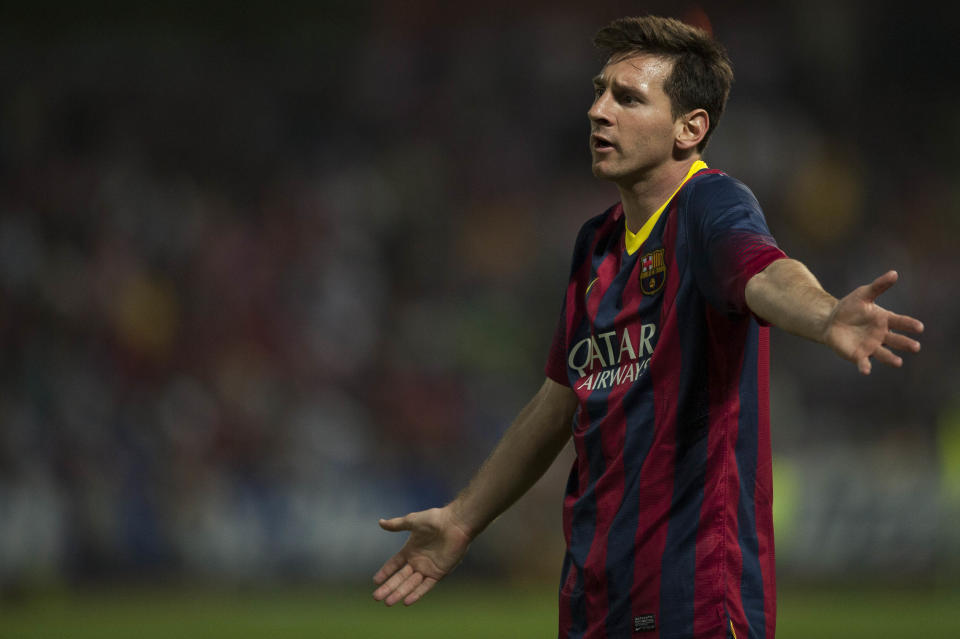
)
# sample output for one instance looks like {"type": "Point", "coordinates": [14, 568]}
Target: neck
{"type": "Point", "coordinates": [642, 197]}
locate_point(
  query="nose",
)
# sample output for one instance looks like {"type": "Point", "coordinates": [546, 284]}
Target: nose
{"type": "Point", "coordinates": [598, 112]}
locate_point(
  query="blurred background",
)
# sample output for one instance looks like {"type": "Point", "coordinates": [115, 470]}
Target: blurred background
{"type": "Point", "coordinates": [270, 272]}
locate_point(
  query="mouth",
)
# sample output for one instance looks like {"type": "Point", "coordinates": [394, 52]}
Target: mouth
{"type": "Point", "coordinates": [600, 143]}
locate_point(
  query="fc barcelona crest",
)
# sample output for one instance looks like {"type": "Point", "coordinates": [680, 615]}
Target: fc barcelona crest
{"type": "Point", "coordinates": [653, 272]}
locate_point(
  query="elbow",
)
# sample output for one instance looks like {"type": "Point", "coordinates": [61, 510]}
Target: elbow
{"type": "Point", "coordinates": [755, 292]}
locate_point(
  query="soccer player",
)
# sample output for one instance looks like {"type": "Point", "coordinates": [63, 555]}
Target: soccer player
{"type": "Point", "coordinates": [660, 361]}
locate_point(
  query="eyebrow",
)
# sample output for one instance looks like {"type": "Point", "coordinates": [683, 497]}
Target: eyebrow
{"type": "Point", "coordinates": [619, 86]}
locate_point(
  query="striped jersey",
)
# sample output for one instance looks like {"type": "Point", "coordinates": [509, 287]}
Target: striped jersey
{"type": "Point", "coordinates": [667, 514]}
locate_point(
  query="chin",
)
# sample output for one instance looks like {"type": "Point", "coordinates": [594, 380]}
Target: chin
{"type": "Point", "coordinates": [604, 172]}
{"type": "Point", "coordinates": [598, 168]}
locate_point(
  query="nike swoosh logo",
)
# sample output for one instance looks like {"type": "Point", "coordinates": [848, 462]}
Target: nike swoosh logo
{"type": "Point", "coordinates": [589, 286]}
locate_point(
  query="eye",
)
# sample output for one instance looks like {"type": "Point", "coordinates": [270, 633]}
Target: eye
{"type": "Point", "coordinates": [597, 92]}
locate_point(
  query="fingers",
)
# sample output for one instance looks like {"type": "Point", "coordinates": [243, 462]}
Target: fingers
{"type": "Point", "coordinates": [885, 356]}
{"type": "Point", "coordinates": [398, 578]}
{"type": "Point", "coordinates": [421, 590]}
{"type": "Point", "coordinates": [876, 288]}
{"type": "Point", "coordinates": [391, 566]}
{"type": "Point", "coordinates": [396, 562]}
{"type": "Point", "coordinates": [406, 584]}
{"type": "Point", "coordinates": [904, 323]}
{"type": "Point", "coordinates": [397, 524]}
{"type": "Point", "coordinates": [410, 584]}
{"type": "Point", "coordinates": [901, 342]}
{"type": "Point", "coordinates": [882, 355]}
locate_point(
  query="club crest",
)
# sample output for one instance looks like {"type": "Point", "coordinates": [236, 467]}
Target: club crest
{"type": "Point", "coordinates": [653, 272]}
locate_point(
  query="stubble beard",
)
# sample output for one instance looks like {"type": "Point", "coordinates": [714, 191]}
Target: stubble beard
{"type": "Point", "coordinates": [617, 173]}
{"type": "Point", "coordinates": [609, 173]}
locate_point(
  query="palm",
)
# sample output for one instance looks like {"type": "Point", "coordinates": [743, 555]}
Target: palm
{"type": "Point", "coordinates": [859, 329]}
{"type": "Point", "coordinates": [430, 552]}
{"type": "Point", "coordinates": [435, 547]}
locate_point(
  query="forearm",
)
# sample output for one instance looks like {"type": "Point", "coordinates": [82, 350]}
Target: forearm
{"type": "Point", "coordinates": [787, 295]}
{"type": "Point", "coordinates": [524, 453]}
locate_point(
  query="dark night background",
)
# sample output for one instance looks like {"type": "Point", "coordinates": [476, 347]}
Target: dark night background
{"type": "Point", "coordinates": [271, 271]}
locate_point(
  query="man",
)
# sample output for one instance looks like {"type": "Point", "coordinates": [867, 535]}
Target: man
{"type": "Point", "coordinates": [660, 359]}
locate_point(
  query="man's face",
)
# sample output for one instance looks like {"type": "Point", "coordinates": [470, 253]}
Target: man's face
{"type": "Point", "coordinates": [632, 127]}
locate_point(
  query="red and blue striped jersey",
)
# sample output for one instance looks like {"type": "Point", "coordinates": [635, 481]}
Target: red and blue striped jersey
{"type": "Point", "coordinates": [667, 514]}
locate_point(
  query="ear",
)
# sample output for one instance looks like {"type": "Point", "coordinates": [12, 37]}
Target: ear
{"type": "Point", "coordinates": [691, 128]}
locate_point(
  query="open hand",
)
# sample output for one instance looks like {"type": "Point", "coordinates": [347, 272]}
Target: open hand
{"type": "Point", "coordinates": [859, 329]}
{"type": "Point", "coordinates": [436, 546]}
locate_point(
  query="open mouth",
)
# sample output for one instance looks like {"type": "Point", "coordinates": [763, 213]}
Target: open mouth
{"type": "Point", "coordinates": [600, 143]}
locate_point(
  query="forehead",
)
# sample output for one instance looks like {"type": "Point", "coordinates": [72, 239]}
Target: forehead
{"type": "Point", "coordinates": [639, 70]}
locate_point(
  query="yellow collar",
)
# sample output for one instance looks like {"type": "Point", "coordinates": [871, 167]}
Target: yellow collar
{"type": "Point", "coordinates": [633, 240]}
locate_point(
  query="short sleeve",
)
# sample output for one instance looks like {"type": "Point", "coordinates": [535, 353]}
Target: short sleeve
{"type": "Point", "coordinates": [730, 241]}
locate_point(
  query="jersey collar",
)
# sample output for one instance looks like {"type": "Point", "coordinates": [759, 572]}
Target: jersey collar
{"type": "Point", "coordinates": [634, 241]}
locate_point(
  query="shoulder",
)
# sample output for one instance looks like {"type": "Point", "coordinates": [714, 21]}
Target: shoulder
{"type": "Point", "coordinates": [599, 225]}
{"type": "Point", "coordinates": [610, 216]}
{"type": "Point", "coordinates": [713, 190]}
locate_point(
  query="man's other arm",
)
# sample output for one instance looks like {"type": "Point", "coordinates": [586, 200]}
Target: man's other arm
{"type": "Point", "coordinates": [787, 295]}
{"type": "Point", "coordinates": [439, 537]}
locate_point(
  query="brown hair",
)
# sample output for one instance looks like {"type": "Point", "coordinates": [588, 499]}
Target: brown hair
{"type": "Point", "coordinates": [701, 74]}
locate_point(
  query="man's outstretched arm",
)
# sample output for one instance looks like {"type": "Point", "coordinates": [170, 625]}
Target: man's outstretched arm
{"type": "Point", "coordinates": [439, 537]}
{"type": "Point", "coordinates": [787, 295]}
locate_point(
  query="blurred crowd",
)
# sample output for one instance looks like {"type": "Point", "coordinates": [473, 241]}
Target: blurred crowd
{"type": "Point", "coordinates": [266, 277]}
